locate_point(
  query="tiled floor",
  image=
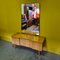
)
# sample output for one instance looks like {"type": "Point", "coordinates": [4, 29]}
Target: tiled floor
{"type": "Point", "coordinates": [8, 52]}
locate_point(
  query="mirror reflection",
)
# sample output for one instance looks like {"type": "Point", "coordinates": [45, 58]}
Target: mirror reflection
{"type": "Point", "coordinates": [30, 18]}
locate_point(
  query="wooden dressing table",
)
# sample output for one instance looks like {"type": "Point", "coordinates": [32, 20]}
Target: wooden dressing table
{"type": "Point", "coordinates": [28, 40]}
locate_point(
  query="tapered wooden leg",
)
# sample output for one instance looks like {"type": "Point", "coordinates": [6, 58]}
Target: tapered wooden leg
{"type": "Point", "coordinates": [39, 53]}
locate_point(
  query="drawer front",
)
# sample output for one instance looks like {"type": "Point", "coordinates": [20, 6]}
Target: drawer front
{"type": "Point", "coordinates": [26, 43]}
{"type": "Point", "coordinates": [15, 41]}
{"type": "Point", "coordinates": [22, 42]}
{"type": "Point", "coordinates": [37, 46]}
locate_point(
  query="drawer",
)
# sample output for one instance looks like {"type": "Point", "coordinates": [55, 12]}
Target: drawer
{"type": "Point", "coordinates": [22, 42]}
{"type": "Point", "coordinates": [25, 42]}
{"type": "Point", "coordinates": [15, 41]}
{"type": "Point", "coordinates": [28, 43]}
{"type": "Point", "coordinates": [37, 46]}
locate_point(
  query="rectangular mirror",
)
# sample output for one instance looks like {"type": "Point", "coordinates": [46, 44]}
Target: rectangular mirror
{"type": "Point", "coordinates": [30, 18]}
